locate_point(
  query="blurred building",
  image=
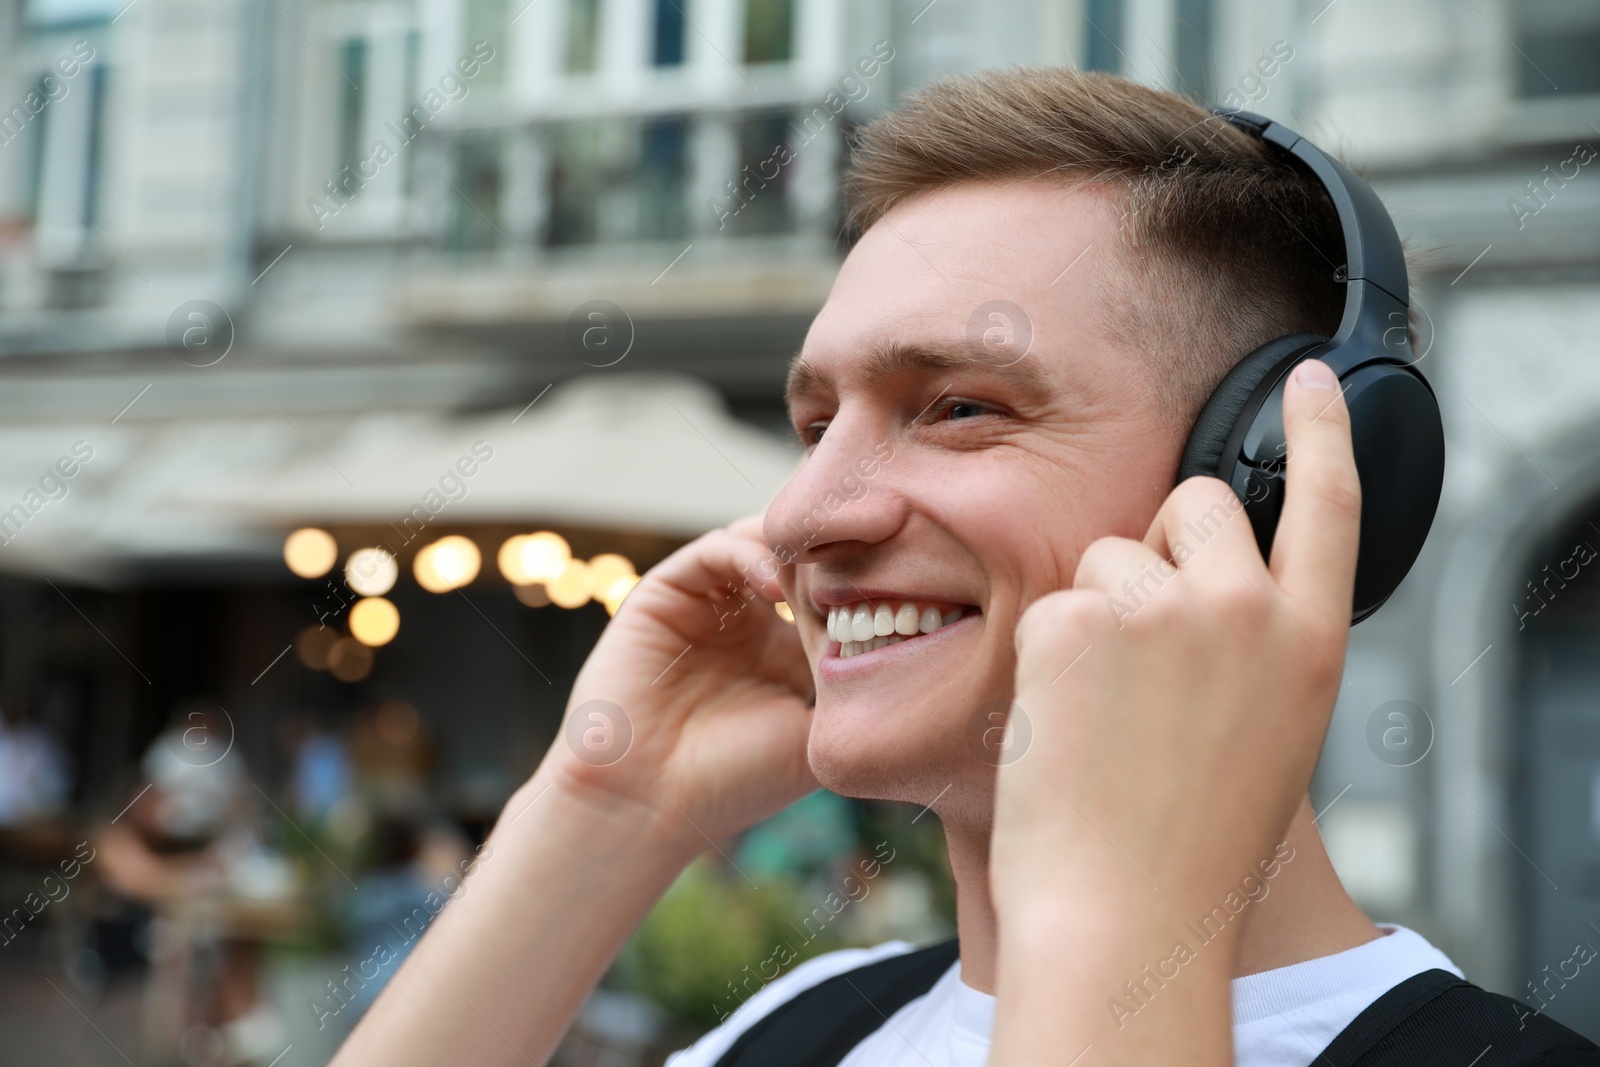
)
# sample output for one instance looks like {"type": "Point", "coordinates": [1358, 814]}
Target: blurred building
{"type": "Point", "coordinates": [411, 219]}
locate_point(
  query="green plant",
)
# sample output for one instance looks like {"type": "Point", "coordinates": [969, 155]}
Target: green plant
{"type": "Point", "coordinates": [713, 940]}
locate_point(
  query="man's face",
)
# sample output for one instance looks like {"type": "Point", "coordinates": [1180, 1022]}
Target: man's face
{"type": "Point", "coordinates": [947, 473]}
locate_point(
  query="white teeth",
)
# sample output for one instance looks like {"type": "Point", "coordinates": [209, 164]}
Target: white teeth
{"type": "Point", "coordinates": [855, 648]}
{"type": "Point", "coordinates": [864, 627]}
{"type": "Point", "coordinates": [861, 628]}
{"type": "Point", "coordinates": [883, 621]}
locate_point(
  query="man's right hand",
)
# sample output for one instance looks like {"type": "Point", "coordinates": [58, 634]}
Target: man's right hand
{"type": "Point", "coordinates": [703, 733]}
{"type": "Point", "coordinates": [693, 710]}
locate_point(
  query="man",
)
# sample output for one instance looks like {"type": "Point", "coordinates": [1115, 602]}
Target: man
{"type": "Point", "coordinates": [973, 512]}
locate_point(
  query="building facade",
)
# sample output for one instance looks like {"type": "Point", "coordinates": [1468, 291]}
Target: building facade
{"type": "Point", "coordinates": [402, 206]}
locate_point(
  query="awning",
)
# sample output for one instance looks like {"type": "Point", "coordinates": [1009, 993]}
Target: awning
{"type": "Point", "coordinates": [653, 453]}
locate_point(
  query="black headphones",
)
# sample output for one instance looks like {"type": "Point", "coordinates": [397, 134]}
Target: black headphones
{"type": "Point", "coordinates": [1394, 416]}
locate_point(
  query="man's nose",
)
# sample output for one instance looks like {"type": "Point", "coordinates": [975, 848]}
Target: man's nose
{"type": "Point", "coordinates": [844, 493]}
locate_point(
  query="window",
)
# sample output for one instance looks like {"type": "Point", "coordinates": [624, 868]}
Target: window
{"type": "Point", "coordinates": [58, 14]}
{"type": "Point", "coordinates": [95, 148]}
{"type": "Point", "coordinates": [592, 168]}
{"type": "Point", "coordinates": [663, 178]}
{"type": "Point", "coordinates": [413, 75]}
{"type": "Point", "coordinates": [583, 35]}
{"type": "Point", "coordinates": [1558, 47]}
{"type": "Point", "coordinates": [768, 31]}
{"type": "Point", "coordinates": [667, 48]}
{"type": "Point", "coordinates": [1102, 32]}
{"type": "Point", "coordinates": [35, 132]}
{"type": "Point", "coordinates": [487, 21]}
{"type": "Point", "coordinates": [353, 64]}
{"type": "Point", "coordinates": [477, 209]}
{"type": "Point", "coordinates": [761, 202]}
{"type": "Point", "coordinates": [1193, 47]}
{"type": "Point", "coordinates": [619, 180]}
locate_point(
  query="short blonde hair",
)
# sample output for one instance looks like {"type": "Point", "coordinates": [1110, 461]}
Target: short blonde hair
{"type": "Point", "coordinates": [1215, 223]}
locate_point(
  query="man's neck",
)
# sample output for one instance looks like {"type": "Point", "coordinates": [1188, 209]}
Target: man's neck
{"type": "Point", "coordinates": [1304, 915]}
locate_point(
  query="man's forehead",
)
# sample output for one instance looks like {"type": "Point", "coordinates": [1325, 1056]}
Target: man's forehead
{"type": "Point", "coordinates": [960, 264]}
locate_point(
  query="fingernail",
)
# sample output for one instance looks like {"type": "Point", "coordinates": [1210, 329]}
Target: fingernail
{"type": "Point", "coordinates": [1315, 374]}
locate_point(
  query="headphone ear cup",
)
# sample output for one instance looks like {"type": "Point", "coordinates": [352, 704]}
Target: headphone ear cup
{"type": "Point", "coordinates": [1215, 424]}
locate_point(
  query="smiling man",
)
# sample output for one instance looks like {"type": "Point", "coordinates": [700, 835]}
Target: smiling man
{"type": "Point", "coordinates": [1054, 271]}
{"type": "Point", "coordinates": [1052, 192]}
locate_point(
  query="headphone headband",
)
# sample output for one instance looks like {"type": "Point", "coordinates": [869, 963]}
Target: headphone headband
{"type": "Point", "coordinates": [1396, 434]}
{"type": "Point", "coordinates": [1377, 294]}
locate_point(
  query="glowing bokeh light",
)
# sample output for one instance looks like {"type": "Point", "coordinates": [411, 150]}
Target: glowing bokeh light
{"type": "Point", "coordinates": [310, 552]}
{"type": "Point", "coordinates": [371, 571]}
{"type": "Point", "coordinates": [510, 560]}
{"type": "Point", "coordinates": [570, 588]}
{"type": "Point", "coordinates": [374, 621]}
{"type": "Point", "coordinates": [544, 556]}
{"type": "Point", "coordinates": [449, 563]}
{"type": "Point", "coordinates": [605, 569]}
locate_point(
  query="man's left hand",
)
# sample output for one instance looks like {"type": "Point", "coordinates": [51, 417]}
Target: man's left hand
{"type": "Point", "coordinates": [1178, 696]}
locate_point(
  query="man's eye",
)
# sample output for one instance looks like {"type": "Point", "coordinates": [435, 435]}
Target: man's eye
{"type": "Point", "coordinates": [811, 435]}
{"type": "Point", "coordinates": [964, 409]}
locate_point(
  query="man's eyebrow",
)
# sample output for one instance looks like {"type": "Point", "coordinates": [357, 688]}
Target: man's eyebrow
{"type": "Point", "coordinates": [892, 358]}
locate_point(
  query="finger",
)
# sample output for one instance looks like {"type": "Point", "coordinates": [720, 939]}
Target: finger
{"type": "Point", "coordinates": [1314, 550]}
{"type": "Point", "coordinates": [1120, 566]}
{"type": "Point", "coordinates": [1202, 527]}
{"type": "Point", "coordinates": [749, 526]}
{"type": "Point", "coordinates": [722, 563]}
{"type": "Point", "coordinates": [1056, 633]}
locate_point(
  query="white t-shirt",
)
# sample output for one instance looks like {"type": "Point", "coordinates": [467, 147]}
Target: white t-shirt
{"type": "Point", "coordinates": [1281, 1018]}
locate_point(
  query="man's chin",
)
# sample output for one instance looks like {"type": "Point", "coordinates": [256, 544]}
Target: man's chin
{"type": "Point", "coordinates": [867, 765]}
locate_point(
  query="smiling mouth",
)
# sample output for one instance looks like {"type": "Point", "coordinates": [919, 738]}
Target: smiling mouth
{"type": "Point", "coordinates": [865, 626]}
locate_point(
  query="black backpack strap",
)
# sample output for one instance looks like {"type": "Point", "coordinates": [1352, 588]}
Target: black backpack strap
{"type": "Point", "coordinates": [820, 1026]}
{"type": "Point", "coordinates": [1435, 1019]}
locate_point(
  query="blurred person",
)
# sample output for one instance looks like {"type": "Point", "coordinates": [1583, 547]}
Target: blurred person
{"type": "Point", "coordinates": [187, 838]}
{"type": "Point", "coordinates": [1005, 502]}
{"type": "Point", "coordinates": [415, 861]}
{"type": "Point", "coordinates": [35, 772]}
{"type": "Point", "coordinates": [322, 777]}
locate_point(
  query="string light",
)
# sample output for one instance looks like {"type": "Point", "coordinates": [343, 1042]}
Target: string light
{"type": "Point", "coordinates": [605, 569]}
{"type": "Point", "coordinates": [543, 556]}
{"type": "Point", "coordinates": [310, 552]}
{"type": "Point", "coordinates": [371, 571]}
{"type": "Point", "coordinates": [570, 588]}
{"type": "Point", "coordinates": [449, 563]}
{"type": "Point", "coordinates": [510, 560]}
{"type": "Point", "coordinates": [313, 645]}
{"type": "Point", "coordinates": [374, 621]}
{"type": "Point", "coordinates": [350, 660]}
